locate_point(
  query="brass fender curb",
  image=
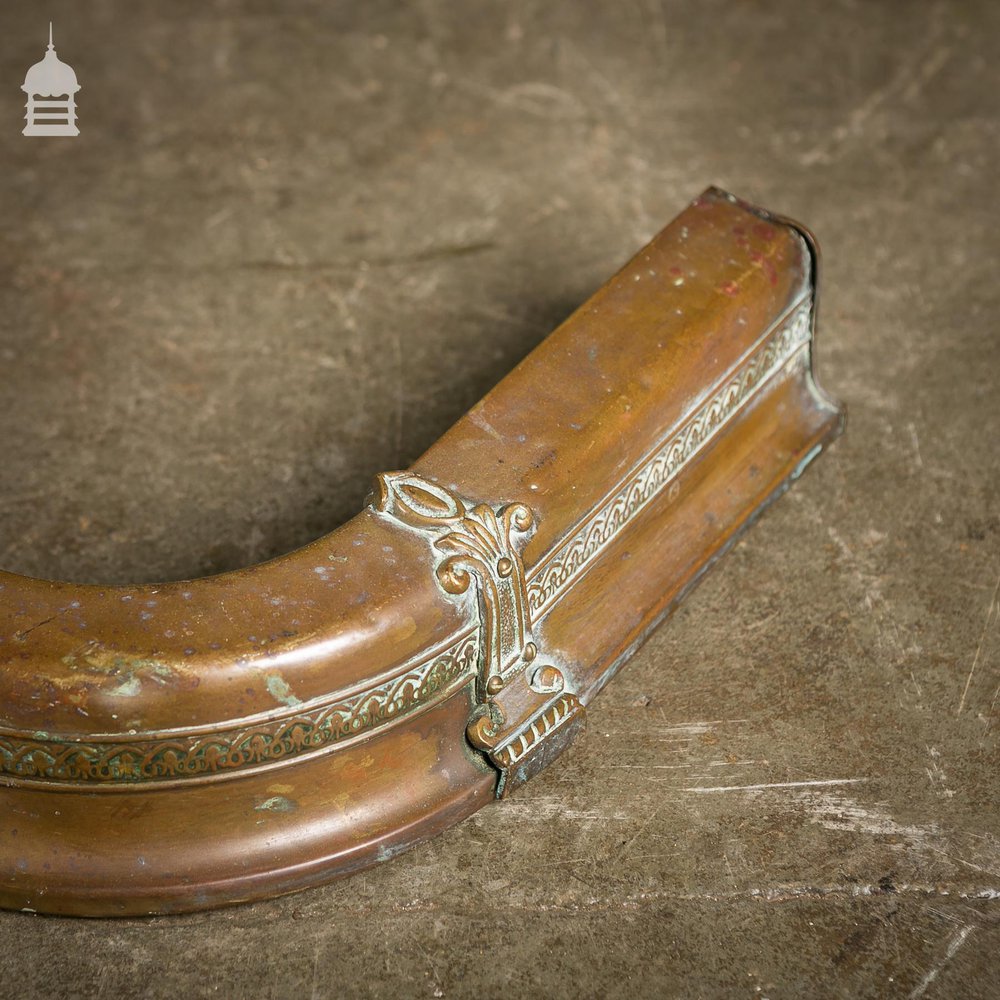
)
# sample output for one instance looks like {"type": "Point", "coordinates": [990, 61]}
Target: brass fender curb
{"type": "Point", "coordinates": [186, 745]}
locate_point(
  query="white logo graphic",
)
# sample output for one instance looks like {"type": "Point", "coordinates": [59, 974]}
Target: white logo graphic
{"type": "Point", "coordinates": [51, 78]}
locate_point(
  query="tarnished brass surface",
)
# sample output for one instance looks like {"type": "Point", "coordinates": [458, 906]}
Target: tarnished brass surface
{"type": "Point", "coordinates": [185, 745]}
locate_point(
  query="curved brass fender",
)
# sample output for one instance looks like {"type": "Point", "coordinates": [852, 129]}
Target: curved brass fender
{"type": "Point", "coordinates": [185, 745]}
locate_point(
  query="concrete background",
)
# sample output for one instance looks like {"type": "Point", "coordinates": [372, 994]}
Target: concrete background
{"type": "Point", "coordinates": [294, 242]}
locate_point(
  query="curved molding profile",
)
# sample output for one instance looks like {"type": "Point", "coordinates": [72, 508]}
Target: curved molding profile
{"type": "Point", "coordinates": [187, 745]}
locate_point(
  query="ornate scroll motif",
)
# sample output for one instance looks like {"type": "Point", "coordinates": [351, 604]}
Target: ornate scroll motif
{"type": "Point", "coordinates": [524, 714]}
{"type": "Point", "coordinates": [478, 542]}
{"type": "Point", "coordinates": [558, 571]}
{"type": "Point", "coordinates": [310, 731]}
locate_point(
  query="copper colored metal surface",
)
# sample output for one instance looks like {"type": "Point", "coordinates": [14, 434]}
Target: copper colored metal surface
{"type": "Point", "coordinates": [186, 745]}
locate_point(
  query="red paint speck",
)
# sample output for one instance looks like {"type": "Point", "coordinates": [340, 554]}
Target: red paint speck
{"type": "Point", "coordinates": [730, 288]}
{"type": "Point", "coordinates": [676, 270]}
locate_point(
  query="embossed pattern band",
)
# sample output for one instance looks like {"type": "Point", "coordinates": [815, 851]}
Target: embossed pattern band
{"type": "Point", "coordinates": [185, 756]}
{"type": "Point", "coordinates": [554, 574]}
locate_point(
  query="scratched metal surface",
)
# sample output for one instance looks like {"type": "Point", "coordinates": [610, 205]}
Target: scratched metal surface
{"type": "Point", "coordinates": [293, 243]}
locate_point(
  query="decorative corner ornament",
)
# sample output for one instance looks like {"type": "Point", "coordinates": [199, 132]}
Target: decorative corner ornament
{"type": "Point", "coordinates": [524, 713]}
{"type": "Point", "coordinates": [333, 707]}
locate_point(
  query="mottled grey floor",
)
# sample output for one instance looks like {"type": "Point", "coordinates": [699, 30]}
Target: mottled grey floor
{"type": "Point", "coordinates": [295, 241]}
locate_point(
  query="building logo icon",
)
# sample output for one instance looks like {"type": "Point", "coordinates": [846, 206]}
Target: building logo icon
{"type": "Point", "coordinates": [51, 78]}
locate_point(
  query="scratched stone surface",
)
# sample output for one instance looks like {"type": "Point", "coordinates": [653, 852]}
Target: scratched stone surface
{"type": "Point", "coordinates": [293, 243]}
